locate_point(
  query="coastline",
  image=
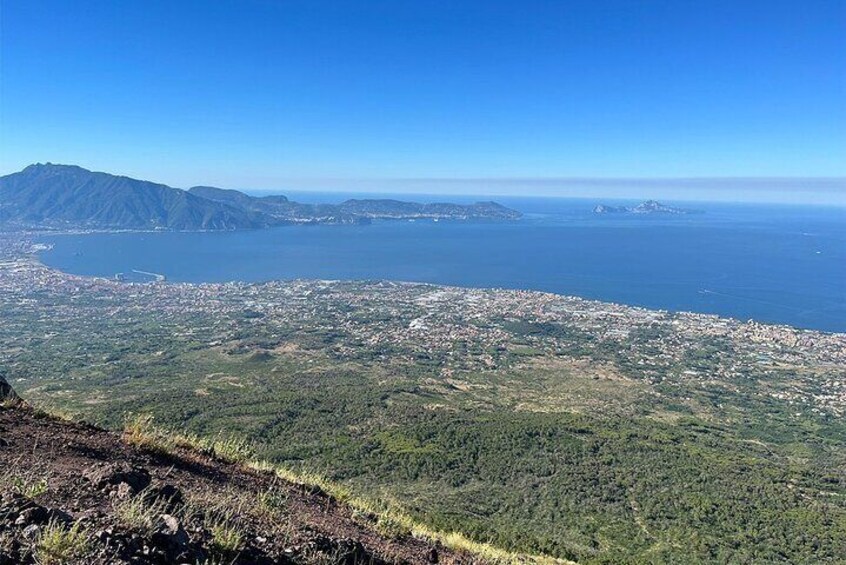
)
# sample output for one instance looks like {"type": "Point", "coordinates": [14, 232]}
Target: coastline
{"type": "Point", "coordinates": [700, 317]}
{"type": "Point", "coordinates": [617, 303]}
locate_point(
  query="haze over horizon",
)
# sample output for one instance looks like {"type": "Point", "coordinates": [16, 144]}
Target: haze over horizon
{"type": "Point", "coordinates": [801, 191]}
{"type": "Point", "coordinates": [810, 191]}
{"type": "Point", "coordinates": [597, 99]}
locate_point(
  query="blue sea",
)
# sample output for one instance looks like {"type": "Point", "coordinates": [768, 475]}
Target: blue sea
{"type": "Point", "coordinates": [779, 264]}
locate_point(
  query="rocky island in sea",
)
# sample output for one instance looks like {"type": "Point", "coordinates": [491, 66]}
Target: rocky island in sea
{"type": "Point", "coordinates": [647, 207]}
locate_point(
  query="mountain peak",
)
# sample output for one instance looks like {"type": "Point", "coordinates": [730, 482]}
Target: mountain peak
{"type": "Point", "coordinates": [48, 166]}
{"type": "Point", "coordinates": [54, 196]}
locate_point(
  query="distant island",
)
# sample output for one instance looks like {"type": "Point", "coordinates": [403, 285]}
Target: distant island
{"type": "Point", "coordinates": [50, 196]}
{"type": "Point", "coordinates": [648, 207]}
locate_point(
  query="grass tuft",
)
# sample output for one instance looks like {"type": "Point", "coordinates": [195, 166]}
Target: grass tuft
{"type": "Point", "coordinates": [57, 544]}
{"type": "Point", "coordinates": [227, 536]}
{"type": "Point", "coordinates": [274, 499]}
{"type": "Point", "coordinates": [140, 432]}
{"type": "Point", "coordinates": [140, 513]}
{"type": "Point", "coordinates": [227, 448]}
{"type": "Point", "coordinates": [390, 527]}
{"type": "Point", "coordinates": [29, 485]}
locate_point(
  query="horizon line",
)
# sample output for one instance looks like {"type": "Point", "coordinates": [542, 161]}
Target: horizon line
{"type": "Point", "coordinates": [799, 190]}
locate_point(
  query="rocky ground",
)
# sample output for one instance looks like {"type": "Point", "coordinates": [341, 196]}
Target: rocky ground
{"type": "Point", "coordinates": [72, 493]}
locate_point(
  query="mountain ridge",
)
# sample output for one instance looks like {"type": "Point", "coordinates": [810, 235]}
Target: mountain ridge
{"type": "Point", "coordinates": [51, 196]}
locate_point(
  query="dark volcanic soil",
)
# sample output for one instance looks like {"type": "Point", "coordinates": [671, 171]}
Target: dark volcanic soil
{"type": "Point", "coordinates": [54, 472]}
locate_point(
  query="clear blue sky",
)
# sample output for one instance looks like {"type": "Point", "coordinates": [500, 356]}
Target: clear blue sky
{"type": "Point", "coordinates": [287, 94]}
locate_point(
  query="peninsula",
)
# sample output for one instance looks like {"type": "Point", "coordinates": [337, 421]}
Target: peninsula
{"type": "Point", "coordinates": [67, 197]}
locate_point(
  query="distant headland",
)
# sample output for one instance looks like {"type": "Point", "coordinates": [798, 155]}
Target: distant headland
{"type": "Point", "coordinates": [67, 197]}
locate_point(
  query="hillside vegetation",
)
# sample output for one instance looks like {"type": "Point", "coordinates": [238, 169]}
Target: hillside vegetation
{"type": "Point", "coordinates": [540, 424]}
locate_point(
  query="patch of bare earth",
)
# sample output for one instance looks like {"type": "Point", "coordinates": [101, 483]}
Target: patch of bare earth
{"type": "Point", "coordinates": [134, 505]}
